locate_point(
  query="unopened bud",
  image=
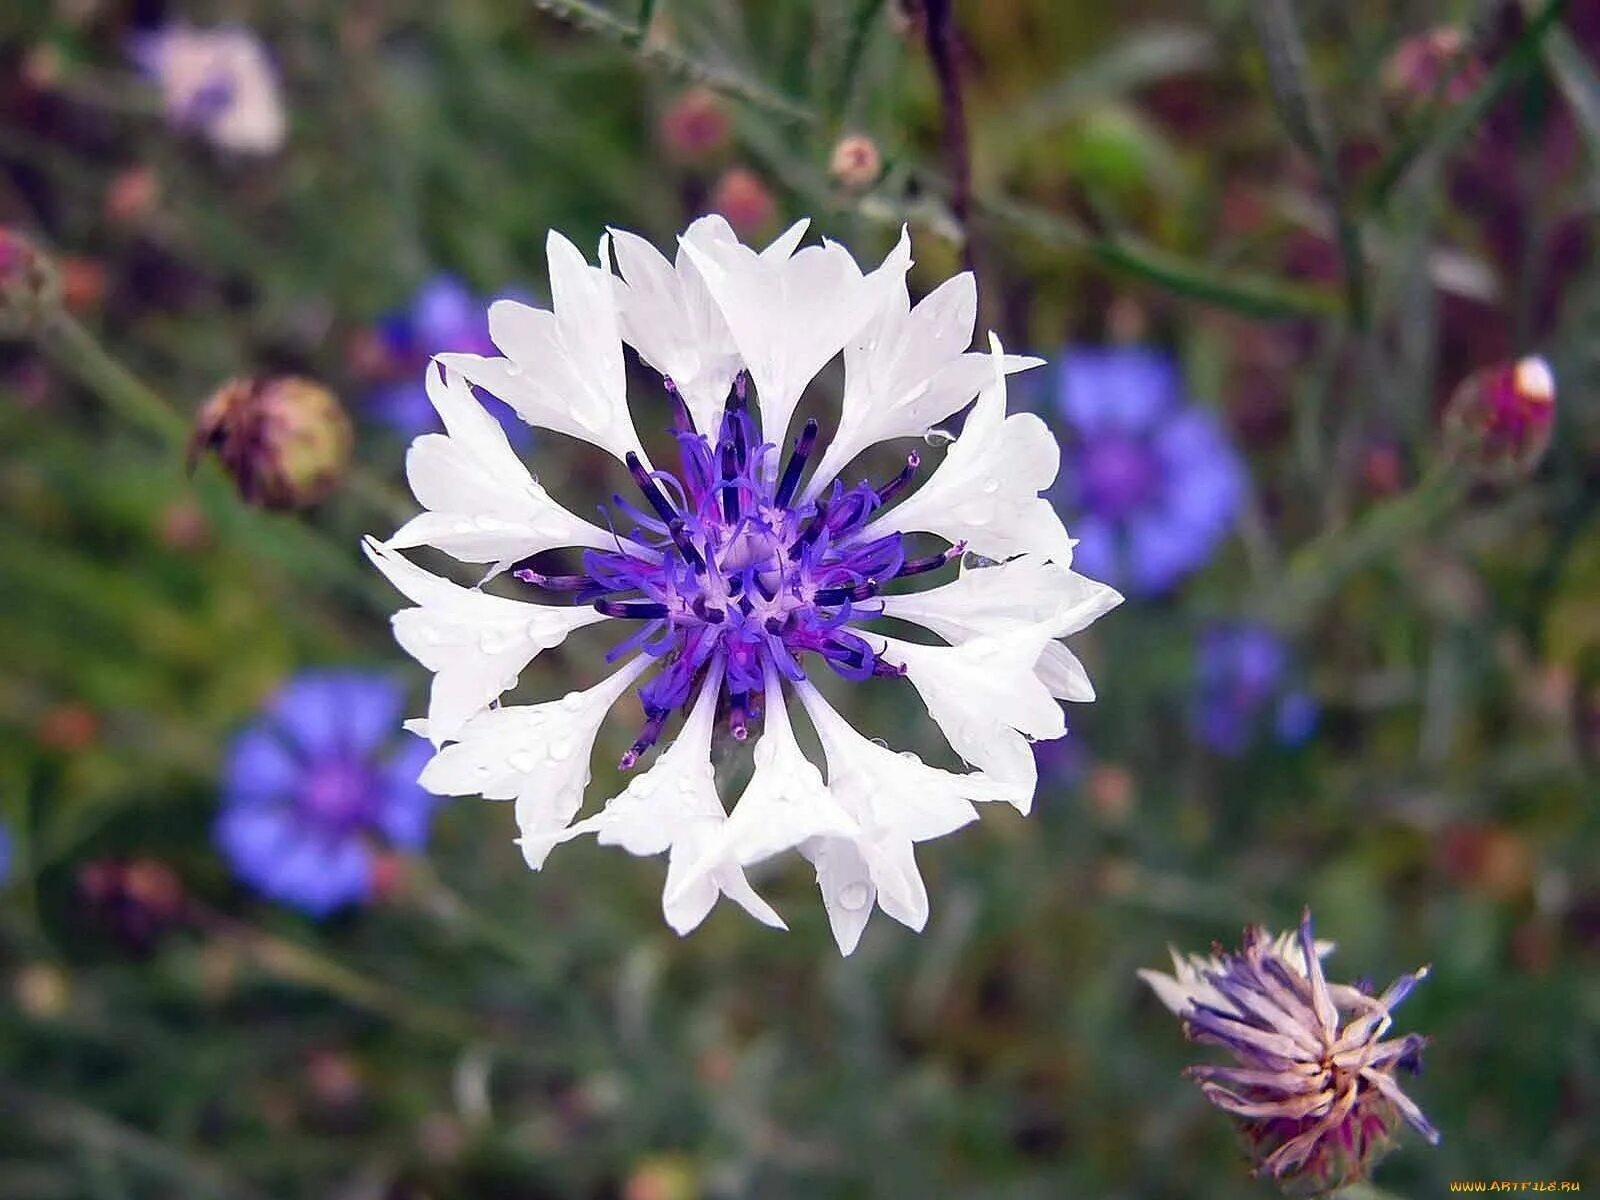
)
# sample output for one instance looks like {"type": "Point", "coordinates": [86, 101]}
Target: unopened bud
{"type": "Point", "coordinates": [1439, 64]}
{"type": "Point", "coordinates": [741, 197]}
{"type": "Point", "coordinates": [856, 163]}
{"type": "Point", "coordinates": [286, 441]}
{"type": "Point", "coordinates": [30, 288]}
{"type": "Point", "coordinates": [695, 126]}
{"type": "Point", "coordinates": [1499, 420]}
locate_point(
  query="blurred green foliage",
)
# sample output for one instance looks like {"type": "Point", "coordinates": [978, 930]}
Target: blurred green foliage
{"type": "Point", "coordinates": [1326, 281]}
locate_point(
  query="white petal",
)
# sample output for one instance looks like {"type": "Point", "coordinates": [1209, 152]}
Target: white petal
{"type": "Point", "coordinates": [991, 599]}
{"type": "Point", "coordinates": [476, 644]}
{"type": "Point", "coordinates": [1061, 672]}
{"type": "Point", "coordinates": [562, 369]}
{"type": "Point", "coordinates": [986, 491]}
{"type": "Point", "coordinates": [673, 807]}
{"type": "Point", "coordinates": [845, 881]}
{"type": "Point", "coordinates": [669, 317]}
{"type": "Point", "coordinates": [987, 700]}
{"type": "Point", "coordinates": [887, 791]}
{"type": "Point", "coordinates": [537, 755]}
{"type": "Point", "coordinates": [483, 505]}
{"type": "Point", "coordinates": [790, 314]}
{"type": "Point", "coordinates": [907, 370]}
{"type": "Point", "coordinates": [784, 804]}
{"type": "Point", "coordinates": [897, 800]}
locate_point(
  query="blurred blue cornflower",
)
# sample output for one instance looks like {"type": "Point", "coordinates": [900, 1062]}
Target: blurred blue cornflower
{"type": "Point", "coordinates": [1245, 685]}
{"type": "Point", "coordinates": [5, 855]}
{"type": "Point", "coordinates": [312, 788]}
{"type": "Point", "coordinates": [444, 316]}
{"type": "Point", "coordinates": [1150, 484]}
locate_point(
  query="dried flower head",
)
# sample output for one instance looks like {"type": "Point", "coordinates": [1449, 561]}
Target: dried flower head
{"type": "Point", "coordinates": [285, 441]}
{"type": "Point", "coordinates": [1500, 420]}
{"type": "Point", "coordinates": [1315, 1090]}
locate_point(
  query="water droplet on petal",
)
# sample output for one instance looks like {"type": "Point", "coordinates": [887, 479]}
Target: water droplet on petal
{"type": "Point", "coordinates": [572, 701]}
{"type": "Point", "coordinates": [560, 750]}
{"type": "Point", "coordinates": [991, 486]}
{"type": "Point", "coordinates": [853, 897]}
{"type": "Point", "coordinates": [522, 761]}
{"type": "Point", "coordinates": [938, 437]}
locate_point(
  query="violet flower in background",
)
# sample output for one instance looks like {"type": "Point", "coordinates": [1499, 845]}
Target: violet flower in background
{"type": "Point", "coordinates": [1150, 485]}
{"type": "Point", "coordinates": [1246, 687]}
{"type": "Point", "coordinates": [1315, 1090]}
{"type": "Point", "coordinates": [219, 83]}
{"type": "Point", "coordinates": [315, 786]}
{"type": "Point", "coordinates": [444, 316]}
{"type": "Point", "coordinates": [5, 855]}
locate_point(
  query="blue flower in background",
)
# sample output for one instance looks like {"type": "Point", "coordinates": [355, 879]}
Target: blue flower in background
{"type": "Point", "coordinates": [1245, 686]}
{"type": "Point", "coordinates": [443, 316]}
{"type": "Point", "coordinates": [313, 786]}
{"type": "Point", "coordinates": [1150, 484]}
{"type": "Point", "coordinates": [5, 855]}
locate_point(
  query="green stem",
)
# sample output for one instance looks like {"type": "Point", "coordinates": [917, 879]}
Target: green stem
{"type": "Point", "coordinates": [1319, 569]}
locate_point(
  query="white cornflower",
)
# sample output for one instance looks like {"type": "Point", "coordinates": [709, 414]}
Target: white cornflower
{"type": "Point", "coordinates": [737, 567]}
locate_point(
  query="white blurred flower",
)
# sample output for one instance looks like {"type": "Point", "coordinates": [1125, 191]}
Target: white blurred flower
{"type": "Point", "coordinates": [219, 82]}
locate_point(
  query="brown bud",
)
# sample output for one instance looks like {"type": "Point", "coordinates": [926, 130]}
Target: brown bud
{"type": "Point", "coordinates": [695, 126]}
{"type": "Point", "coordinates": [1438, 64]}
{"type": "Point", "coordinates": [286, 441]}
{"type": "Point", "coordinates": [1499, 420]}
{"type": "Point", "coordinates": [30, 288]}
{"type": "Point", "coordinates": [856, 163]}
{"type": "Point", "coordinates": [744, 200]}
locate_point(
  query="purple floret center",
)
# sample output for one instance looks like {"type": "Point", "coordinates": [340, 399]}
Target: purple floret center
{"type": "Point", "coordinates": [1120, 474]}
{"type": "Point", "coordinates": [744, 573]}
{"type": "Point", "coordinates": [339, 794]}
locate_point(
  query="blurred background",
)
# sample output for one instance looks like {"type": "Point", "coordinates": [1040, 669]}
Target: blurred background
{"type": "Point", "coordinates": [1285, 260]}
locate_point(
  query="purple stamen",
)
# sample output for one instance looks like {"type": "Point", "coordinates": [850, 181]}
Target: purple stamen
{"type": "Point", "coordinates": [917, 566]}
{"type": "Point", "coordinates": [742, 578]}
{"type": "Point", "coordinates": [632, 610]}
{"type": "Point", "coordinates": [797, 463]}
{"type": "Point", "coordinates": [898, 484]}
{"type": "Point", "coordinates": [554, 583]}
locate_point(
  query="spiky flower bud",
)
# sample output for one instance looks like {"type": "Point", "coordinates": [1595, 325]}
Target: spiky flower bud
{"type": "Point", "coordinates": [1499, 420]}
{"type": "Point", "coordinates": [856, 163]}
{"type": "Point", "coordinates": [30, 288]}
{"type": "Point", "coordinates": [285, 440]}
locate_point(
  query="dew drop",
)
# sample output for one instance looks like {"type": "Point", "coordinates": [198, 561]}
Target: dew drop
{"type": "Point", "coordinates": [938, 437]}
{"type": "Point", "coordinates": [853, 897]}
{"type": "Point", "coordinates": [572, 701]}
{"type": "Point", "coordinates": [560, 751]}
{"type": "Point", "coordinates": [521, 761]}
{"type": "Point", "coordinates": [991, 486]}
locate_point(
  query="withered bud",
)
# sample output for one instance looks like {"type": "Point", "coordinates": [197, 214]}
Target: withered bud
{"type": "Point", "coordinates": [1499, 420]}
{"type": "Point", "coordinates": [30, 287]}
{"type": "Point", "coordinates": [856, 163]}
{"type": "Point", "coordinates": [744, 200]}
{"type": "Point", "coordinates": [1439, 64]}
{"type": "Point", "coordinates": [285, 440]}
{"type": "Point", "coordinates": [695, 126]}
